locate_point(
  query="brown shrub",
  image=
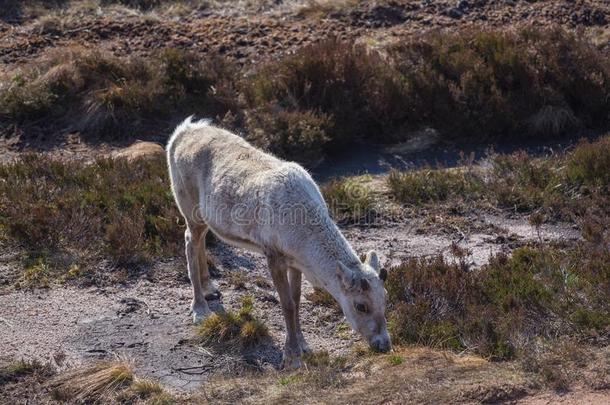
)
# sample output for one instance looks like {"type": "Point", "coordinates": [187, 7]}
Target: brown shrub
{"type": "Point", "coordinates": [346, 82]}
{"type": "Point", "coordinates": [99, 94]}
{"type": "Point", "coordinates": [115, 208]}
{"type": "Point", "coordinates": [504, 84]}
{"type": "Point", "coordinates": [295, 135]}
{"type": "Point", "coordinates": [589, 164]}
{"type": "Point", "coordinates": [502, 308]}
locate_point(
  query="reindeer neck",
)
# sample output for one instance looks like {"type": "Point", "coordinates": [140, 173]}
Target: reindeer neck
{"type": "Point", "coordinates": [325, 246]}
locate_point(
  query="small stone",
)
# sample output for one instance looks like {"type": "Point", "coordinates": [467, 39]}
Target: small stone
{"type": "Point", "coordinates": [454, 13]}
{"type": "Point", "coordinates": [463, 5]}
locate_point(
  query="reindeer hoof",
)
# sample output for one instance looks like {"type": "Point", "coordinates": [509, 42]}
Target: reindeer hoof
{"type": "Point", "coordinates": [199, 317]}
{"type": "Point", "coordinates": [212, 296]}
{"type": "Point", "coordinates": [291, 363]}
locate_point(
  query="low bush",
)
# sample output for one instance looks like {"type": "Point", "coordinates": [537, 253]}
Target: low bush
{"type": "Point", "coordinates": [589, 164]}
{"type": "Point", "coordinates": [563, 186]}
{"type": "Point", "coordinates": [344, 82]}
{"type": "Point", "coordinates": [294, 135]}
{"type": "Point", "coordinates": [109, 208]}
{"type": "Point", "coordinates": [417, 187]}
{"type": "Point", "coordinates": [522, 183]}
{"type": "Point", "coordinates": [16, 10]}
{"type": "Point", "coordinates": [101, 95]}
{"type": "Point", "coordinates": [505, 306]}
{"type": "Point", "coordinates": [477, 84]}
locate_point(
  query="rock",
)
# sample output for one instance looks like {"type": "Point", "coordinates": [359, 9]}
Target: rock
{"type": "Point", "coordinates": [139, 150]}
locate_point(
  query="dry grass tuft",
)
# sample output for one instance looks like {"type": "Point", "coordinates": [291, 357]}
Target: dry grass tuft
{"type": "Point", "coordinates": [94, 383]}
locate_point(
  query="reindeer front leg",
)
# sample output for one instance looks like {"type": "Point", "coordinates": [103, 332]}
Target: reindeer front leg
{"type": "Point", "coordinates": [292, 349]}
{"type": "Point", "coordinates": [294, 277]}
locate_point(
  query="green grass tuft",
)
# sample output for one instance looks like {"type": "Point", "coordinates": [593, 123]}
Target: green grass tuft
{"type": "Point", "coordinates": [240, 328]}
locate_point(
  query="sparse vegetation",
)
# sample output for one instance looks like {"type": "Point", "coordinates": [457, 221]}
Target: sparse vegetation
{"type": "Point", "coordinates": [327, 95]}
{"type": "Point", "coordinates": [76, 212]}
{"type": "Point", "coordinates": [93, 382]}
{"type": "Point", "coordinates": [240, 328]}
{"type": "Point", "coordinates": [349, 199]}
{"type": "Point", "coordinates": [105, 96]}
{"type": "Point", "coordinates": [500, 310]}
{"type": "Point", "coordinates": [14, 370]}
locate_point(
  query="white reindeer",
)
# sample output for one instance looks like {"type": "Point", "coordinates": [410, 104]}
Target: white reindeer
{"type": "Point", "coordinates": [254, 200]}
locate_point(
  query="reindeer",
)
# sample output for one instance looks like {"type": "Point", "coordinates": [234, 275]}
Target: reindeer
{"type": "Point", "coordinates": [253, 200]}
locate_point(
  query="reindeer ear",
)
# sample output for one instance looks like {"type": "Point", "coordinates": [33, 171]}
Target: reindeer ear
{"type": "Point", "coordinates": [383, 275]}
{"type": "Point", "coordinates": [346, 276]}
{"type": "Point", "coordinates": [373, 260]}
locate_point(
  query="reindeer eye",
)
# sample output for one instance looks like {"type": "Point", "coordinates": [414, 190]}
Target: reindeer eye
{"type": "Point", "coordinates": [361, 308]}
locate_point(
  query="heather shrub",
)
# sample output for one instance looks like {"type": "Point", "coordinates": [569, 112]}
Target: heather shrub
{"type": "Point", "coordinates": [482, 84]}
{"type": "Point", "coordinates": [503, 307]}
{"type": "Point", "coordinates": [568, 186]}
{"type": "Point", "coordinates": [295, 135]}
{"type": "Point", "coordinates": [109, 208]}
{"type": "Point", "coordinates": [589, 164]}
{"type": "Point", "coordinates": [103, 95]}
{"type": "Point", "coordinates": [347, 83]}
{"type": "Point", "coordinates": [16, 10]}
{"type": "Point", "coordinates": [427, 185]}
{"type": "Point", "coordinates": [469, 85]}
{"type": "Point", "coordinates": [519, 182]}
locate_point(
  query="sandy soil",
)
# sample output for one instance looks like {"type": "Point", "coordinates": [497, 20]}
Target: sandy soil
{"type": "Point", "coordinates": [148, 322]}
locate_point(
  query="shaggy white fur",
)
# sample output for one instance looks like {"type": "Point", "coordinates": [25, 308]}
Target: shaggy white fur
{"type": "Point", "coordinates": [254, 200]}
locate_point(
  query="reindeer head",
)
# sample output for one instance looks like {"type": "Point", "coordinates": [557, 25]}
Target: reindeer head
{"type": "Point", "coordinates": [363, 300]}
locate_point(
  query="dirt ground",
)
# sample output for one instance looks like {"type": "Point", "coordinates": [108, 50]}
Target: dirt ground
{"type": "Point", "coordinates": [148, 322]}
{"type": "Point", "coordinates": [253, 33]}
